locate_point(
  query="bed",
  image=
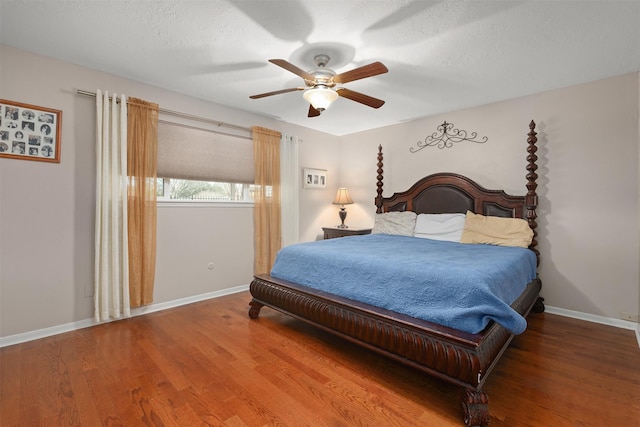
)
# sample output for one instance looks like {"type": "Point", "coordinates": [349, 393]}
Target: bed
{"type": "Point", "coordinates": [458, 356]}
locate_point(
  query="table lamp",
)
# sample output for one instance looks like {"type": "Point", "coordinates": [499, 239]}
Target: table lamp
{"type": "Point", "coordinates": [342, 198]}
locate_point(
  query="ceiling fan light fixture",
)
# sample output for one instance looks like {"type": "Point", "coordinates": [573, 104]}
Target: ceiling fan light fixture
{"type": "Point", "coordinates": [320, 97]}
{"type": "Point", "coordinates": [321, 90]}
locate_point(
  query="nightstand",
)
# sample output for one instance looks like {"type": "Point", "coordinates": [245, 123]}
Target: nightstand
{"type": "Point", "coordinates": [333, 232]}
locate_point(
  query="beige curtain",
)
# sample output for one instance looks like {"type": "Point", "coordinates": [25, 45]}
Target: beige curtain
{"type": "Point", "coordinates": [289, 188]}
{"type": "Point", "coordinates": [111, 292]}
{"type": "Point", "coordinates": [266, 217]}
{"type": "Point", "coordinates": [142, 162]}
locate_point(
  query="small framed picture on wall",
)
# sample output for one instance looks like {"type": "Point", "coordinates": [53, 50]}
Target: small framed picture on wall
{"type": "Point", "coordinates": [314, 178]}
{"type": "Point", "coordinates": [29, 132]}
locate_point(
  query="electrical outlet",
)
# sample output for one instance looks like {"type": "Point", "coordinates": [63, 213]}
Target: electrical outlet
{"type": "Point", "coordinates": [628, 316]}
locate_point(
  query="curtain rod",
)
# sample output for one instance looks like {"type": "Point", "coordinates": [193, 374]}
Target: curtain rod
{"type": "Point", "coordinates": [182, 115]}
{"type": "Point", "coordinates": [203, 129]}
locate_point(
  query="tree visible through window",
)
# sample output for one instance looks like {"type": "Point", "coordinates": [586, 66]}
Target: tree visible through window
{"type": "Point", "coordinates": [182, 189]}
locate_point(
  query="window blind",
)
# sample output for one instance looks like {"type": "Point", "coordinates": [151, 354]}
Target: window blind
{"type": "Point", "coordinates": [188, 152]}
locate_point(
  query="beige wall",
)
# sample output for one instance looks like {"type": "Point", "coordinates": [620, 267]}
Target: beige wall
{"type": "Point", "coordinates": [47, 210]}
{"type": "Point", "coordinates": [588, 186]}
{"type": "Point", "coordinates": [589, 156]}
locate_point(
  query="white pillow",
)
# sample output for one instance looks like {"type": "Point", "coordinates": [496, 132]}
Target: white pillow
{"type": "Point", "coordinates": [399, 223]}
{"type": "Point", "coordinates": [446, 227]}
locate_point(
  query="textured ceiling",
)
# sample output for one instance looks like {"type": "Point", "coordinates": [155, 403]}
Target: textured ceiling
{"type": "Point", "coordinates": [442, 55]}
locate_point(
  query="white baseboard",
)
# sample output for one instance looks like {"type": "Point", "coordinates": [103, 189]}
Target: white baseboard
{"type": "Point", "coordinates": [68, 327]}
{"type": "Point", "coordinates": [618, 323]}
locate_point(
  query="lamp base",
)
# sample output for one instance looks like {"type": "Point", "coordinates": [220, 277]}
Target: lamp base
{"type": "Point", "coordinates": [343, 216]}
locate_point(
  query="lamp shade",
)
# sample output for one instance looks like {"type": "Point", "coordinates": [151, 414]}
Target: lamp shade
{"type": "Point", "coordinates": [342, 198]}
{"type": "Point", "coordinates": [320, 97]}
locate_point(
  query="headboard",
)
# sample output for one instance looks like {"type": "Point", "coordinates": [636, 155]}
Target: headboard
{"type": "Point", "coordinates": [453, 193]}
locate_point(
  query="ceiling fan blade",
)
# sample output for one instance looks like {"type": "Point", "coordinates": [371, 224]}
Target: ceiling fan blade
{"type": "Point", "coordinates": [313, 112]}
{"type": "Point", "coordinates": [360, 73]}
{"type": "Point", "coordinates": [276, 92]}
{"type": "Point", "coordinates": [360, 97]}
{"type": "Point", "coordinates": [292, 68]}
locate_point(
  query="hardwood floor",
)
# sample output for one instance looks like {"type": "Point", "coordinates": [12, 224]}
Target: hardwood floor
{"type": "Point", "coordinates": [208, 364]}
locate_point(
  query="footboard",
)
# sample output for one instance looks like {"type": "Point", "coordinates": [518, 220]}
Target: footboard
{"type": "Point", "coordinates": [454, 356]}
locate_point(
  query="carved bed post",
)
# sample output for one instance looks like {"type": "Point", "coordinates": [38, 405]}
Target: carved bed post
{"type": "Point", "coordinates": [532, 197]}
{"type": "Point", "coordinates": [379, 184]}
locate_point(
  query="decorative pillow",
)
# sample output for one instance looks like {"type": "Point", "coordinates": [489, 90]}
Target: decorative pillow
{"type": "Point", "coordinates": [495, 230]}
{"type": "Point", "coordinates": [400, 223]}
{"type": "Point", "coordinates": [440, 226]}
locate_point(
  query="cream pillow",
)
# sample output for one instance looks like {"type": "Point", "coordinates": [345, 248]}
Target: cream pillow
{"type": "Point", "coordinates": [495, 230]}
{"type": "Point", "coordinates": [399, 223]}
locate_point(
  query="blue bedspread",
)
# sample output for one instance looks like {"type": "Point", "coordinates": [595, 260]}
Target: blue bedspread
{"type": "Point", "coordinates": [463, 286]}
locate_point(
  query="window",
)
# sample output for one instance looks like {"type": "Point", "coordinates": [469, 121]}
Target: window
{"type": "Point", "coordinates": [208, 191]}
{"type": "Point", "coordinates": [203, 165]}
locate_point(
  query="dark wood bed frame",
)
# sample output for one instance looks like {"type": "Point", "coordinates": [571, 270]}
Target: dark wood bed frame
{"type": "Point", "coordinates": [449, 354]}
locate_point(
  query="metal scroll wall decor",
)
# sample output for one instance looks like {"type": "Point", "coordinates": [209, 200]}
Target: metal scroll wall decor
{"type": "Point", "coordinates": [445, 137]}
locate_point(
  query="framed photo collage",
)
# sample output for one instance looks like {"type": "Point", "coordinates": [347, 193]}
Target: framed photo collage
{"type": "Point", "coordinates": [29, 132]}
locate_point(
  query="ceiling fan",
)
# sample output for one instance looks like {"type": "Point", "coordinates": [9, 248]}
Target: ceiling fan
{"type": "Point", "coordinates": [320, 84]}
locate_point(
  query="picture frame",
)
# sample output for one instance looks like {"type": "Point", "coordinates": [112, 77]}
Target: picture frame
{"type": "Point", "coordinates": [314, 178]}
{"type": "Point", "coordinates": [29, 132]}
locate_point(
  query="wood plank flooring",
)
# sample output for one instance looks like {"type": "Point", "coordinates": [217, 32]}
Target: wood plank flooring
{"type": "Point", "coordinates": [208, 364]}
